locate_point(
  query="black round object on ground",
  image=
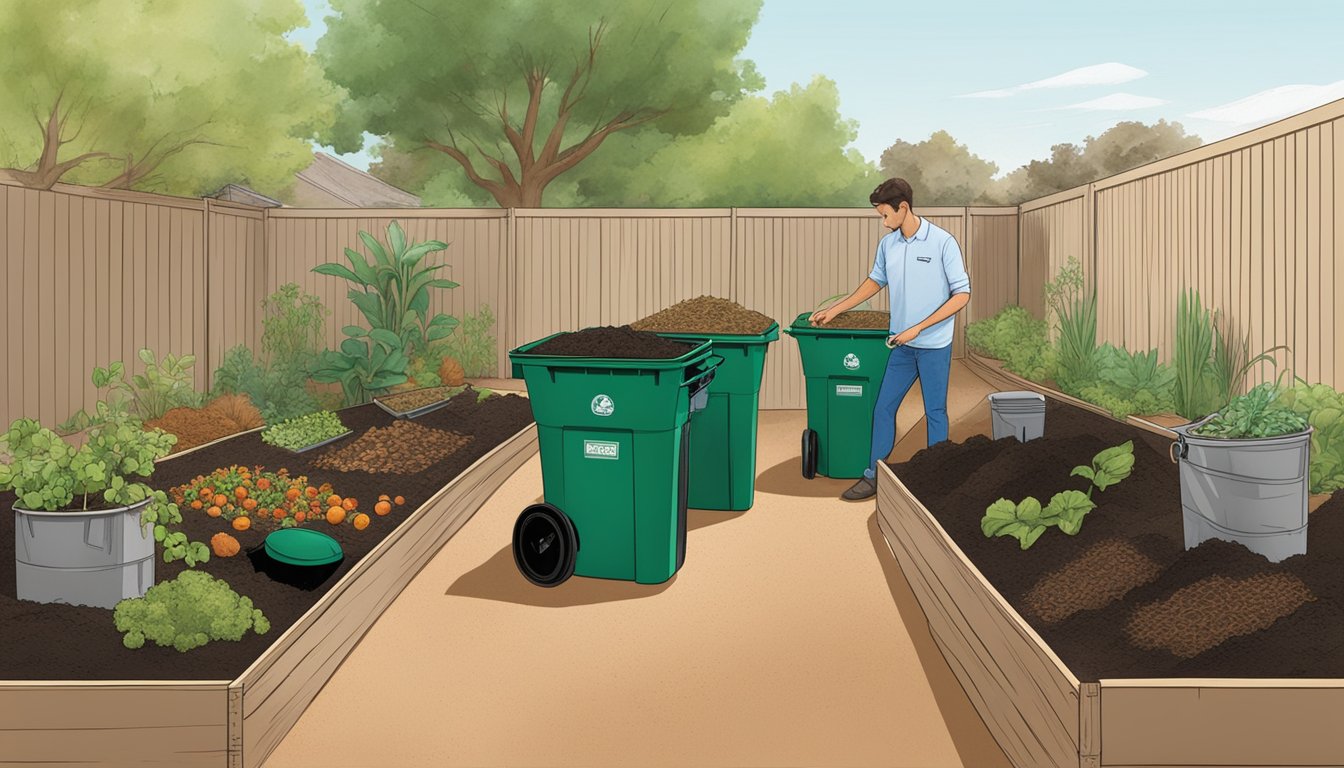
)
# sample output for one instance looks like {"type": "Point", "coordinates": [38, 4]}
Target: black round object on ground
{"type": "Point", "coordinates": [809, 453]}
{"type": "Point", "coordinates": [545, 545]}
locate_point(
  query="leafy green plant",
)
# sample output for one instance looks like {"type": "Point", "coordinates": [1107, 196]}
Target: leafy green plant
{"type": "Point", "coordinates": [1211, 359]}
{"type": "Point", "coordinates": [1258, 413]}
{"type": "Point", "coordinates": [277, 390]}
{"type": "Point", "coordinates": [292, 325]}
{"type": "Point", "coordinates": [368, 364]}
{"type": "Point", "coordinates": [1108, 467]}
{"type": "Point", "coordinates": [473, 344]}
{"type": "Point", "coordinates": [1016, 338]}
{"type": "Point", "coordinates": [1024, 521]}
{"type": "Point", "coordinates": [304, 431]}
{"type": "Point", "coordinates": [164, 385]}
{"type": "Point", "coordinates": [1075, 325]}
{"type": "Point", "coordinates": [1067, 510]}
{"type": "Point", "coordinates": [1323, 408]}
{"type": "Point", "coordinates": [48, 474]}
{"type": "Point", "coordinates": [393, 292]}
{"type": "Point", "coordinates": [187, 612]}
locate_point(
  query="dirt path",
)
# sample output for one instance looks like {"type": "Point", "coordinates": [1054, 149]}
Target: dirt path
{"type": "Point", "coordinates": [788, 638]}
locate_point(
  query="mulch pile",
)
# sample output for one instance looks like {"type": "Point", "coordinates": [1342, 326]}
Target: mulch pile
{"type": "Point", "coordinates": [859, 320]}
{"type": "Point", "coordinates": [224, 416]}
{"type": "Point", "coordinates": [706, 314]}
{"type": "Point", "coordinates": [404, 448]}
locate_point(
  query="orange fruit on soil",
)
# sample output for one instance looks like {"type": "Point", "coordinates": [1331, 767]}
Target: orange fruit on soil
{"type": "Point", "coordinates": [291, 494]}
{"type": "Point", "coordinates": [361, 521]}
{"type": "Point", "coordinates": [278, 514]}
{"type": "Point", "coordinates": [214, 511]}
{"type": "Point", "coordinates": [335, 515]}
{"type": "Point", "coordinates": [240, 492]}
{"type": "Point", "coordinates": [400, 500]}
{"type": "Point", "coordinates": [349, 504]}
{"type": "Point", "coordinates": [299, 517]}
{"type": "Point", "coordinates": [384, 497]}
{"type": "Point", "coordinates": [382, 507]}
{"type": "Point", "coordinates": [242, 523]}
{"type": "Point", "coordinates": [311, 492]}
{"type": "Point", "coordinates": [207, 492]}
{"type": "Point", "coordinates": [333, 500]}
{"type": "Point", "coordinates": [249, 504]}
{"type": "Point", "coordinates": [221, 500]}
{"type": "Point", "coordinates": [197, 504]}
{"type": "Point", "coordinates": [263, 484]}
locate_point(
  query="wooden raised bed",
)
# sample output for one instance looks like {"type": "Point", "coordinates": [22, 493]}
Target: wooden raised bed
{"type": "Point", "coordinates": [239, 723]}
{"type": "Point", "coordinates": [1042, 715]}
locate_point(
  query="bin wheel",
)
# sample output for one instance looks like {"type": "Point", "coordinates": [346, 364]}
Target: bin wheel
{"type": "Point", "coordinates": [809, 453]}
{"type": "Point", "coordinates": [545, 545]}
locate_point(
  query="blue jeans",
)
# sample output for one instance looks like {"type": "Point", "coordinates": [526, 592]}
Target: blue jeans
{"type": "Point", "coordinates": [931, 367]}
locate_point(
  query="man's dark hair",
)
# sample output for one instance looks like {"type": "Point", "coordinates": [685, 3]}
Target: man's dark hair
{"type": "Point", "coordinates": [893, 192]}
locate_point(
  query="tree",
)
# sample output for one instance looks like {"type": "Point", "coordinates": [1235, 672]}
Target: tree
{"type": "Point", "coordinates": [173, 97]}
{"type": "Point", "coordinates": [519, 92]}
{"type": "Point", "coordinates": [941, 171]}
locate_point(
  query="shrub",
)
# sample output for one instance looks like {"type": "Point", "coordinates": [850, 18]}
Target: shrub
{"type": "Point", "coordinates": [1323, 408]}
{"type": "Point", "coordinates": [165, 384]}
{"type": "Point", "coordinates": [1075, 326]}
{"type": "Point", "coordinates": [473, 344]}
{"type": "Point", "coordinates": [187, 612]}
{"type": "Point", "coordinates": [1016, 338]}
{"type": "Point", "coordinates": [277, 390]}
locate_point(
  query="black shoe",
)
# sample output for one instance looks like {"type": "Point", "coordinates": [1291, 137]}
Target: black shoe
{"type": "Point", "coordinates": [863, 489]}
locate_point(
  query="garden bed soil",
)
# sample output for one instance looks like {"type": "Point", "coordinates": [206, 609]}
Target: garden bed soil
{"type": "Point", "coordinates": [706, 314]}
{"type": "Point", "coordinates": [859, 320]}
{"type": "Point", "coordinates": [61, 642]}
{"type": "Point", "coordinates": [616, 342]}
{"type": "Point", "coordinates": [1123, 598]}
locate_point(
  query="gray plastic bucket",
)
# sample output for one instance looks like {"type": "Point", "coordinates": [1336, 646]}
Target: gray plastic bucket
{"type": "Point", "coordinates": [1251, 491]}
{"type": "Point", "coordinates": [83, 558]}
{"type": "Point", "coordinates": [1017, 414]}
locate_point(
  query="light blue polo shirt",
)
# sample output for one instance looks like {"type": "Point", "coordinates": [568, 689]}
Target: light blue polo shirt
{"type": "Point", "coordinates": [923, 273]}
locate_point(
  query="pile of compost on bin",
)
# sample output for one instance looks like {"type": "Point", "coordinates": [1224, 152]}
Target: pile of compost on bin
{"type": "Point", "coordinates": [706, 314]}
{"type": "Point", "coordinates": [610, 341]}
{"type": "Point", "coordinates": [859, 319]}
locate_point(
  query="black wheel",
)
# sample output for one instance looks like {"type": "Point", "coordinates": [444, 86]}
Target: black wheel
{"type": "Point", "coordinates": [545, 544]}
{"type": "Point", "coordinates": [809, 453]}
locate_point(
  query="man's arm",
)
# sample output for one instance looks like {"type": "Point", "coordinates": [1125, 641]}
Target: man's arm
{"type": "Point", "coordinates": [866, 290]}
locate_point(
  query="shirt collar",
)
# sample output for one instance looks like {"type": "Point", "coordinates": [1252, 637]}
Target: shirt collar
{"type": "Point", "coordinates": [921, 234]}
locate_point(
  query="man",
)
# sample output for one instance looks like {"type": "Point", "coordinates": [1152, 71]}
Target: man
{"type": "Point", "coordinates": [922, 264]}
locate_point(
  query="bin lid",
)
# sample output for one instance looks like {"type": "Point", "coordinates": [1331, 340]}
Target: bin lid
{"type": "Point", "coordinates": [302, 546]}
{"type": "Point", "coordinates": [1016, 398]}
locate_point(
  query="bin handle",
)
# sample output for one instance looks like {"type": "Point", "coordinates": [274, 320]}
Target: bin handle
{"type": "Point", "coordinates": [709, 371]}
{"type": "Point", "coordinates": [1178, 449]}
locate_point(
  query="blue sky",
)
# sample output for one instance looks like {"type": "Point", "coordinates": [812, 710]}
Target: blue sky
{"type": "Point", "coordinates": [1009, 80]}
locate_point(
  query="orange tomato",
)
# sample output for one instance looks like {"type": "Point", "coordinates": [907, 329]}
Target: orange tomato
{"type": "Point", "coordinates": [221, 500]}
{"type": "Point", "coordinates": [349, 504]}
{"type": "Point", "coordinates": [335, 515]}
{"type": "Point", "coordinates": [207, 492]}
{"type": "Point", "coordinates": [361, 521]}
{"type": "Point", "coordinates": [214, 511]}
{"type": "Point", "coordinates": [384, 497]}
{"type": "Point", "coordinates": [333, 500]}
{"type": "Point", "coordinates": [197, 504]}
{"type": "Point", "coordinates": [311, 492]}
{"type": "Point", "coordinates": [242, 523]}
{"type": "Point", "coordinates": [299, 517]}
{"type": "Point", "coordinates": [249, 504]}
{"type": "Point", "coordinates": [383, 507]}
{"type": "Point", "coordinates": [291, 494]}
{"type": "Point", "coordinates": [400, 500]}
{"type": "Point", "coordinates": [240, 492]}
{"type": "Point", "coordinates": [278, 514]}
{"type": "Point", "coordinates": [263, 484]}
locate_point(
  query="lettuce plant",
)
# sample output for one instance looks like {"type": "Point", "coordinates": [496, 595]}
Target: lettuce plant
{"type": "Point", "coordinates": [303, 431]}
{"type": "Point", "coordinates": [187, 612]}
{"type": "Point", "coordinates": [1256, 414]}
{"type": "Point", "coordinates": [1323, 408]}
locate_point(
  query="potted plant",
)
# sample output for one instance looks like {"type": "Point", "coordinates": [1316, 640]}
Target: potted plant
{"type": "Point", "coordinates": [85, 524]}
{"type": "Point", "coordinates": [1244, 475]}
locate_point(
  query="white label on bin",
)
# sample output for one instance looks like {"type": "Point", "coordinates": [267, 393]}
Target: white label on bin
{"type": "Point", "coordinates": [603, 406]}
{"type": "Point", "coordinates": [599, 449]}
{"type": "Point", "coordinates": [852, 361]}
{"type": "Point", "coordinates": [849, 390]}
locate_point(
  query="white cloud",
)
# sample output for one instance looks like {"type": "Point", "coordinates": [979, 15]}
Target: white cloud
{"type": "Point", "coordinates": [1117, 102]}
{"type": "Point", "coordinates": [1111, 73]}
{"type": "Point", "coordinates": [1273, 104]}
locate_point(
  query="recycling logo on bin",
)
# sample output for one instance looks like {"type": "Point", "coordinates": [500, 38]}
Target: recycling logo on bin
{"type": "Point", "coordinates": [852, 361]}
{"type": "Point", "coordinates": [603, 406]}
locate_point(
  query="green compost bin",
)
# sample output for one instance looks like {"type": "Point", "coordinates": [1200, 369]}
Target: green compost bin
{"type": "Point", "coordinates": [844, 369]}
{"type": "Point", "coordinates": [614, 464]}
{"type": "Point", "coordinates": [723, 435]}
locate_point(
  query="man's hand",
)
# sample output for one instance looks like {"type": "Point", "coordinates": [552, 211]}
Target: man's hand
{"type": "Point", "coordinates": [903, 338]}
{"type": "Point", "coordinates": [824, 316]}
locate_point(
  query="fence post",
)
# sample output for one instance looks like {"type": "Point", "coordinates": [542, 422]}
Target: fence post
{"type": "Point", "coordinates": [205, 272]}
{"type": "Point", "coordinates": [732, 254]}
{"type": "Point", "coordinates": [509, 317]}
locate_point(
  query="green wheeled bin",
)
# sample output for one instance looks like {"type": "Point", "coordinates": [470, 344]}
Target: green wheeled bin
{"type": "Point", "coordinates": [844, 369]}
{"type": "Point", "coordinates": [614, 464]}
{"type": "Point", "coordinates": [723, 435]}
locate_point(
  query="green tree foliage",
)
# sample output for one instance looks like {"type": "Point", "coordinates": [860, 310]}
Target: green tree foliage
{"type": "Point", "coordinates": [941, 171]}
{"type": "Point", "coordinates": [518, 93]}
{"type": "Point", "coordinates": [162, 96]}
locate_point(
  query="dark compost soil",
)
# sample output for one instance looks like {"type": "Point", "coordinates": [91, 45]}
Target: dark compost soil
{"type": "Point", "coordinates": [706, 314]}
{"type": "Point", "coordinates": [1156, 610]}
{"type": "Point", "coordinates": [619, 342]}
{"type": "Point", "coordinates": [60, 642]}
{"type": "Point", "coordinates": [859, 320]}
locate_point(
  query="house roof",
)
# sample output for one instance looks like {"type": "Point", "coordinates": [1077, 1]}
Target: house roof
{"type": "Point", "coordinates": [352, 186]}
{"type": "Point", "coordinates": [236, 193]}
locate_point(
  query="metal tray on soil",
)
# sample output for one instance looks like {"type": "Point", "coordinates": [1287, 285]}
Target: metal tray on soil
{"type": "Point", "coordinates": [328, 441]}
{"type": "Point", "coordinates": [411, 414]}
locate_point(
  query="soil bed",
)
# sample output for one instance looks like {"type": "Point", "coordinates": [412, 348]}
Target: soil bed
{"type": "Point", "coordinates": [859, 320]}
{"type": "Point", "coordinates": [706, 314]}
{"type": "Point", "coordinates": [1160, 611]}
{"type": "Point", "coordinates": [622, 343]}
{"type": "Point", "coordinates": [61, 642]}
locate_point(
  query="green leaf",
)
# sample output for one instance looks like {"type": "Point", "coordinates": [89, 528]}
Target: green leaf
{"type": "Point", "coordinates": [1029, 509]}
{"type": "Point", "coordinates": [386, 337]}
{"type": "Point", "coordinates": [1084, 471]}
{"type": "Point", "coordinates": [338, 270]}
{"type": "Point", "coordinates": [997, 515]}
{"type": "Point", "coordinates": [1032, 535]}
{"type": "Point", "coordinates": [1069, 508]}
{"type": "Point", "coordinates": [354, 331]}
